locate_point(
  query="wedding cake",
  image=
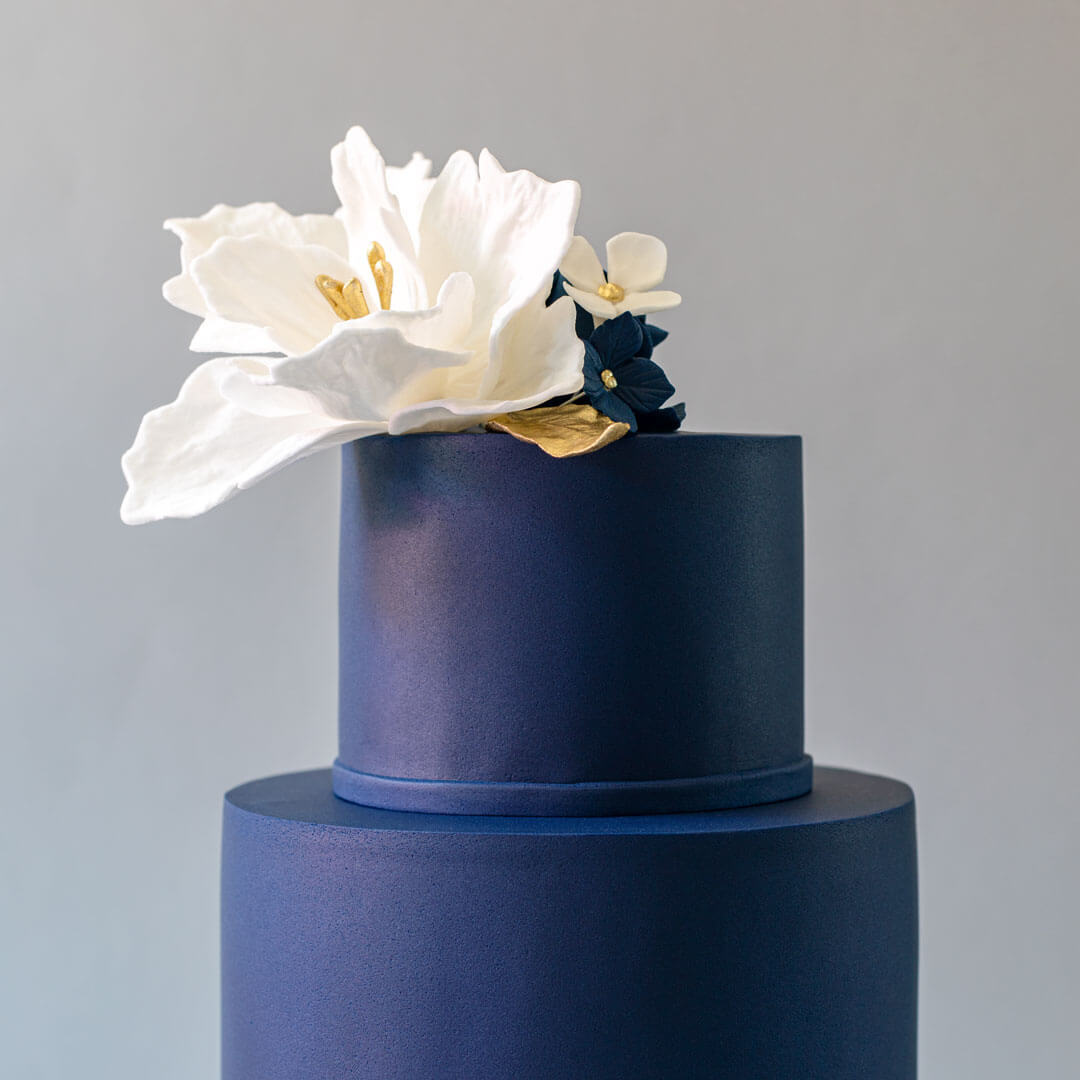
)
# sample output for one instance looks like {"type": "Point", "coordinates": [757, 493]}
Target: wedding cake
{"type": "Point", "coordinates": [571, 831]}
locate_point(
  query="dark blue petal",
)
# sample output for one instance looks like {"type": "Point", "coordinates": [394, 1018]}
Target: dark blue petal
{"type": "Point", "coordinates": [651, 336]}
{"type": "Point", "coordinates": [617, 339]}
{"type": "Point", "coordinates": [584, 323]}
{"type": "Point", "coordinates": [614, 408]}
{"type": "Point", "coordinates": [643, 385]}
{"type": "Point", "coordinates": [593, 386]}
{"type": "Point", "coordinates": [663, 420]}
{"type": "Point", "coordinates": [646, 339]}
{"type": "Point", "coordinates": [655, 334]}
{"type": "Point", "coordinates": [558, 289]}
{"type": "Point", "coordinates": [593, 361]}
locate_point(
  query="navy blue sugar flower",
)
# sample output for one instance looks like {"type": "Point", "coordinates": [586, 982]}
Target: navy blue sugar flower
{"type": "Point", "coordinates": [651, 336]}
{"type": "Point", "coordinates": [620, 382]}
{"type": "Point", "coordinates": [664, 420]}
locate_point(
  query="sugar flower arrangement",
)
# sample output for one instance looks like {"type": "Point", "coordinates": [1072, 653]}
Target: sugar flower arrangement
{"type": "Point", "coordinates": [450, 303]}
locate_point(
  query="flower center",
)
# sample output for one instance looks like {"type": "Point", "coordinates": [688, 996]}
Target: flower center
{"type": "Point", "coordinates": [347, 299]}
{"type": "Point", "coordinates": [610, 291]}
{"type": "Point", "coordinates": [608, 379]}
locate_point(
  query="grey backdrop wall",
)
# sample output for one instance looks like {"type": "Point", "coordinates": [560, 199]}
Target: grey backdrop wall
{"type": "Point", "coordinates": [872, 214]}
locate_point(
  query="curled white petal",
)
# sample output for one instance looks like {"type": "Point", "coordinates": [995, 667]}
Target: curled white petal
{"type": "Point", "coordinates": [371, 212]}
{"type": "Point", "coordinates": [197, 236]}
{"type": "Point", "coordinates": [508, 230]}
{"type": "Point", "coordinates": [217, 335]}
{"type": "Point", "coordinates": [411, 184]}
{"type": "Point", "coordinates": [636, 261]}
{"type": "Point", "coordinates": [362, 370]}
{"type": "Point", "coordinates": [548, 363]}
{"type": "Point", "coordinates": [201, 449]}
{"type": "Point", "coordinates": [262, 282]}
{"type": "Point", "coordinates": [444, 326]}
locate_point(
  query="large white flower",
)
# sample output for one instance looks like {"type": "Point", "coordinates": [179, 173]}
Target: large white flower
{"type": "Point", "coordinates": [419, 306]}
{"type": "Point", "coordinates": [636, 264]}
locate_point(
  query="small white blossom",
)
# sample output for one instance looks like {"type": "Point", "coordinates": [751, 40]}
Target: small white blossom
{"type": "Point", "coordinates": [636, 265]}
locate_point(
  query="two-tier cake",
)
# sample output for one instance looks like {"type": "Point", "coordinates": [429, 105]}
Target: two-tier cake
{"type": "Point", "coordinates": [571, 831]}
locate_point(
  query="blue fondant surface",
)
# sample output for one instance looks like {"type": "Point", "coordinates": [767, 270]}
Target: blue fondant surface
{"type": "Point", "coordinates": [772, 941]}
{"type": "Point", "coordinates": [630, 616]}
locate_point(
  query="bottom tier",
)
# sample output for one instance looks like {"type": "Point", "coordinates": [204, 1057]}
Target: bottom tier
{"type": "Point", "coordinates": [774, 942]}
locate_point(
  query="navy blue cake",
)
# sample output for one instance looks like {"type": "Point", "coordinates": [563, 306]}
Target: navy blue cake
{"type": "Point", "coordinates": [571, 831]}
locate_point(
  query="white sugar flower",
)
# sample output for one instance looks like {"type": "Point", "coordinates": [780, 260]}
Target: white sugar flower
{"type": "Point", "coordinates": [419, 306]}
{"type": "Point", "coordinates": [636, 264]}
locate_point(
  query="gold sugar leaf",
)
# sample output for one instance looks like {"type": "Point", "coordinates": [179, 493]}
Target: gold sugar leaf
{"type": "Point", "coordinates": [561, 430]}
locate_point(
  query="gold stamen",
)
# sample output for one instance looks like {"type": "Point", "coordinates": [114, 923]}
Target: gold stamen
{"type": "Point", "coordinates": [353, 295]}
{"type": "Point", "coordinates": [610, 291]}
{"type": "Point", "coordinates": [608, 379]}
{"type": "Point", "coordinates": [347, 300]}
{"type": "Point", "coordinates": [383, 273]}
{"type": "Point", "coordinates": [331, 290]}
{"type": "Point", "coordinates": [384, 282]}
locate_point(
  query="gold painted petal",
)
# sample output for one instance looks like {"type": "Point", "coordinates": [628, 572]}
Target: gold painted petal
{"type": "Point", "coordinates": [562, 430]}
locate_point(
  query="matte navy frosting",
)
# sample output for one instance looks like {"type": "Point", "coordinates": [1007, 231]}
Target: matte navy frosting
{"type": "Point", "coordinates": [773, 941]}
{"type": "Point", "coordinates": [619, 633]}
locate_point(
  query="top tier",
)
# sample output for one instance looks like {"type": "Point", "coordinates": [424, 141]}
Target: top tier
{"type": "Point", "coordinates": [620, 633]}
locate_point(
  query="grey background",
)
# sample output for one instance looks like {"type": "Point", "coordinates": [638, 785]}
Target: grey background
{"type": "Point", "coordinates": [872, 214]}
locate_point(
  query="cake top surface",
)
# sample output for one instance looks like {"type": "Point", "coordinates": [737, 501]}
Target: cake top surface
{"type": "Point", "coordinates": [837, 794]}
{"type": "Point", "coordinates": [458, 302]}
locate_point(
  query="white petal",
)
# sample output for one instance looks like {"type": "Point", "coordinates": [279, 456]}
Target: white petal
{"type": "Point", "coordinates": [581, 265]}
{"type": "Point", "coordinates": [361, 371]}
{"type": "Point", "coordinates": [547, 363]}
{"type": "Point", "coordinates": [222, 336]}
{"type": "Point", "coordinates": [644, 303]}
{"type": "Point", "coordinates": [197, 235]}
{"type": "Point", "coordinates": [543, 355]}
{"type": "Point", "coordinates": [445, 326]}
{"type": "Point", "coordinates": [508, 231]}
{"type": "Point", "coordinates": [183, 293]}
{"type": "Point", "coordinates": [371, 214]}
{"type": "Point", "coordinates": [246, 385]}
{"type": "Point", "coordinates": [411, 184]}
{"type": "Point", "coordinates": [202, 449]}
{"type": "Point", "coordinates": [593, 304]}
{"type": "Point", "coordinates": [636, 261]}
{"type": "Point", "coordinates": [268, 284]}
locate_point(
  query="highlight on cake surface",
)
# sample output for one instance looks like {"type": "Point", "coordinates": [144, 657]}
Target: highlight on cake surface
{"type": "Point", "coordinates": [424, 304]}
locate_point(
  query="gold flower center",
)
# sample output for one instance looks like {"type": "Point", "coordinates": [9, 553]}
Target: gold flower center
{"type": "Point", "coordinates": [610, 291]}
{"type": "Point", "coordinates": [347, 299]}
{"type": "Point", "coordinates": [608, 379]}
